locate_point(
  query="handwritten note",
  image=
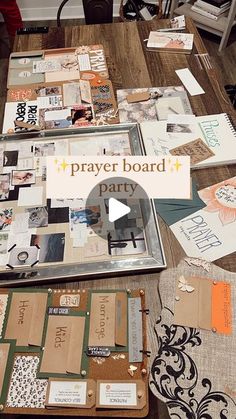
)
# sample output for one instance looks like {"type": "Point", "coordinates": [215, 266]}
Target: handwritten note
{"type": "Point", "coordinates": [196, 149]}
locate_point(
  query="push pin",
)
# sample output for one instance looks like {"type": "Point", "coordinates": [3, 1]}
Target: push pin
{"type": "Point", "coordinates": [214, 282]}
{"type": "Point", "coordinates": [49, 290]}
{"type": "Point", "coordinates": [141, 292]}
{"type": "Point", "coordinates": [83, 373]}
{"type": "Point", "coordinates": [88, 313]}
{"type": "Point", "coordinates": [90, 393]}
{"type": "Point", "coordinates": [128, 291]}
{"type": "Point", "coordinates": [1, 407]}
{"type": "Point", "coordinates": [177, 298]}
{"type": "Point", "coordinates": [144, 371]}
{"type": "Point", "coordinates": [214, 330]}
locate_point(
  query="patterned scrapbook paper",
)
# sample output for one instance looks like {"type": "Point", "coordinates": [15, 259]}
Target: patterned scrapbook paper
{"type": "Point", "coordinates": [3, 306]}
{"type": "Point", "coordinates": [25, 389]}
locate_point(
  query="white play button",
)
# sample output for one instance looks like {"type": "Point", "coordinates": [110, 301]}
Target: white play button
{"type": "Point", "coordinates": [117, 209]}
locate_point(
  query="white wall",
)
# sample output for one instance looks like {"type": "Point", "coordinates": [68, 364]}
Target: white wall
{"type": "Point", "coordinates": [47, 9]}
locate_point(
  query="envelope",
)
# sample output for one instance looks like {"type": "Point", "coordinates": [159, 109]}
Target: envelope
{"type": "Point", "coordinates": [26, 318]}
{"type": "Point", "coordinates": [63, 345]}
{"type": "Point", "coordinates": [203, 303]}
{"type": "Point", "coordinates": [173, 210]}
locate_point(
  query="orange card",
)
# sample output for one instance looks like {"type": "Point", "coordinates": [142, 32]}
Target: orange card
{"type": "Point", "coordinates": [221, 315]}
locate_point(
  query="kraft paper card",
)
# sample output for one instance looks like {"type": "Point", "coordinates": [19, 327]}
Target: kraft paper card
{"type": "Point", "coordinates": [121, 318]}
{"type": "Point", "coordinates": [102, 319]}
{"type": "Point", "coordinates": [196, 149]}
{"type": "Point", "coordinates": [4, 351]}
{"type": "Point", "coordinates": [63, 345]}
{"type": "Point", "coordinates": [26, 318]}
{"type": "Point", "coordinates": [203, 303]}
{"type": "Point", "coordinates": [138, 97]}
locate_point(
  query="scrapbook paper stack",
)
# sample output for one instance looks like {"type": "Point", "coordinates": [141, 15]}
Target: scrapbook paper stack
{"type": "Point", "coordinates": [47, 367]}
{"type": "Point", "coordinates": [62, 88]}
{"type": "Point", "coordinates": [170, 42]}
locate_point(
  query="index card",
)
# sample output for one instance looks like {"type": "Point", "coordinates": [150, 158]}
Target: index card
{"type": "Point", "coordinates": [189, 82]}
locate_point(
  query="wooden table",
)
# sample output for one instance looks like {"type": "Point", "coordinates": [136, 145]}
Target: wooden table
{"type": "Point", "coordinates": [131, 65]}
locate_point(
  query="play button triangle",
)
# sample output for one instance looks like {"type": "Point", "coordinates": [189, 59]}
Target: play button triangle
{"type": "Point", "coordinates": [117, 209]}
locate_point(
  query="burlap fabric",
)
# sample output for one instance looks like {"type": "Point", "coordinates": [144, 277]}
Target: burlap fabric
{"type": "Point", "coordinates": [193, 370]}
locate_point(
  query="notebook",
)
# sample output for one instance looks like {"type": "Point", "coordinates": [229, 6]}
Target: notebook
{"type": "Point", "coordinates": [216, 131]}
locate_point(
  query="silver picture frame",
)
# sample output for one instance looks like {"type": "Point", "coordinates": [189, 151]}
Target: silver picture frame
{"type": "Point", "coordinates": [154, 260]}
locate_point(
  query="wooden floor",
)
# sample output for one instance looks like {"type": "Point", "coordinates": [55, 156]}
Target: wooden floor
{"type": "Point", "coordinates": [225, 62]}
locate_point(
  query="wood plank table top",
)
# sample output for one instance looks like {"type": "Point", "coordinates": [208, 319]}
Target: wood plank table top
{"type": "Point", "coordinates": [130, 65]}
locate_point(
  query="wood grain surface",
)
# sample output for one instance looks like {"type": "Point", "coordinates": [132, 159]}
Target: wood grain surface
{"type": "Point", "coordinates": [131, 65]}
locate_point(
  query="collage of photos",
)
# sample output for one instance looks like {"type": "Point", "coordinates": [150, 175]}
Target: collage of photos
{"type": "Point", "coordinates": [37, 230]}
{"type": "Point", "coordinates": [67, 88]}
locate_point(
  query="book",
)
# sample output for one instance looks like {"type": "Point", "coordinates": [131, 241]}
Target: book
{"type": "Point", "coordinates": [216, 131]}
{"type": "Point", "coordinates": [171, 42]}
{"type": "Point", "coordinates": [210, 232]}
{"type": "Point", "coordinates": [218, 3]}
{"type": "Point", "coordinates": [203, 12]}
{"type": "Point", "coordinates": [212, 9]}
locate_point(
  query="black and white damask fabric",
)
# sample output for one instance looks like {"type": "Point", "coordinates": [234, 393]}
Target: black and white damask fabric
{"type": "Point", "coordinates": [193, 371]}
{"type": "Point", "coordinates": [25, 389]}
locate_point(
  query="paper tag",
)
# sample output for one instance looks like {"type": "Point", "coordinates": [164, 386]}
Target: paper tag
{"type": "Point", "coordinates": [196, 149]}
{"type": "Point", "coordinates": [102, 319]}
{"type": "Point", "coordinates": [138, 97]}
{"type": "Point", "coordinates": [135, 329]}
{"type": "Point", "coordinates": [117, 394]}
{"type": "Point", "coordinates": [84, 62]}
{"type": "Point", "coordinates": [67, 393]}
{"type": "Point", "coordinates": [70, 393]}
{"type": "Point", "coordinates": [222, 308]}
{"type": "Point", "coordinates": [189, 82]}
